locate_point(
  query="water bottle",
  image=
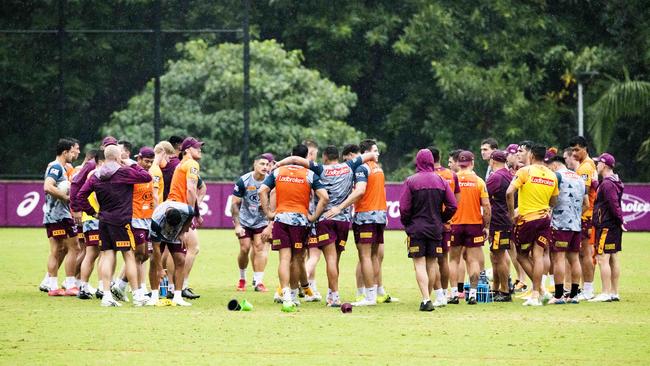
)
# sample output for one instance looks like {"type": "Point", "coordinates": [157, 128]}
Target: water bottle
{"type": "Point", "coordinates": [164, 285]}
{"type": "Point", "coordinates": [482, 278]}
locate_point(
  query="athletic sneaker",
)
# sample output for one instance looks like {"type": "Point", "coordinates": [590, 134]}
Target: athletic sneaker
{"type": "Point", "coordinates": [525, 295]}
{"type": "Point", "coordinates": [109, 303]}
{"type": "Point", "coordinates": [461, 295]}
{"type": "Point", "coordinates": [188, 293]}
{"type": "Point", "coordinates": [532, 302]}
{"type": "Point", "coordinates": [572, 300]}
{"type": "Point", "coordinates": [364, 302]}
{"type": "Point", "coordinates": [439, 303]}
{"type": "Point", "coordinates": [261, 288]}
{"type": "Point", "coordinates": [583, 296]}
{"type": "Point", "coordinates": [99, 294]}
{"type": "Point", "coordinates": [454, 300]}
{"type": "Point", "coordinates": [181, 302]}
{"type": "Point", "coordinates": [501, 297]}
{"type": "Point", "coordinates": [84, 295]}
{"type": "Point", "coordinates": [139, 301]}
{"type": "Point", "coordinates": [289, 307]}
{"type": "Point", "coordinates": [519, 286]}
{"type": "Point", "coordinates": [305, 292]}
{"type": "Point", "coordinates": [546, 297]}
{"type": "Point", "coordinates": [315, 297]}
{"type": "Point", "coordinates": [602, 298]}
{"type": "Point", "coordinates": [56, 292]}
{"type": "Point", "coordinates": [118, 293]}
{"type": "Point", "coordinates": [616, 298]}
{"type": "Point", "coordinates": [277, 298]}
{"type": "Point", "coordinates": [384, 299]}
{"type": "Point", "coordinates": [334, 303]}
{"type": "Point", "coordinates": [241, 285]}
{"type": "Point", "coordinates": [472, 300]}
{"type": "Point", "coordinates": [359, 297]}
{"type": "Point", "coordinates": [426, 306]}
{"type": "Point", "coordinates": [72, 291]}
{"type": "Point", "coordinates": [44, 287]}
{"type": "Point", "coordinates": [556, 301]}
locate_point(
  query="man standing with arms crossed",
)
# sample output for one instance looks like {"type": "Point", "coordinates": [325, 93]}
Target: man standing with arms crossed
{"type": "Point", "coordinates": [538, 191]}
{"type": "Point", "coordinates": [113, 184]}
{"type": "Point", "coordinates": [470, 226]}
{"type": "Point", "coordinates": [250, 222]}
{"type": "Point", "coordinates": [587, 170]}
{"type": "Point", "coordinates": [293, 185]}
{"type": "Point", "coordinates": [426, 203]}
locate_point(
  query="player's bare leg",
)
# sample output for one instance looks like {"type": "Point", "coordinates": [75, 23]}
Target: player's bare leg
{"type": "Point", "coordinates": [191, 240]}
{"type": "Point", "coordinates": [245, 245]}
{"type": "Point", "coordinates": [368, 271]}
{"type": "Point", "coordinates": [259, 258]}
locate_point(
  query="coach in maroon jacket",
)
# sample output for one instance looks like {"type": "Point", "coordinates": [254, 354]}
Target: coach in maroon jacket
{"type": "Point", "coordinates": [113, 184]}
{"type": "Point", "coordinates": [426, 203]}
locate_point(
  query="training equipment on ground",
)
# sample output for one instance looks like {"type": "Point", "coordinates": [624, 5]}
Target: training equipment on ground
{"type": "Point", "coordinates": [346, 308]}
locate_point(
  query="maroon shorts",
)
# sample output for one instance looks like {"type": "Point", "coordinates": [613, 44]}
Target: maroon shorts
{"type": "Point", "coordinates": [467, 235]}
{"type": "Point", "coordinates": [565, 241]}
{"type": "Point", "coordinates": [422, 247]}
{"type": "Point", "coordinates": [332, 232]}
{"type": "Point", "coordinates": [588, 231]}
{"type": "Point", "coordinates": [528, 233]}
{"type": "Point", "coordinates": [499, 239]}
{"type": "Point", "coordinates": [172, 247]}
{"type": "Point", "coordinates": [609, 240]}
{"type": "Point", "coordinates": [249, 233]}
{"type": "Point", "coordinates": [289, 236]}
{"type": "Point", "coordinates": [92, 238]}
{"type": "Point", "coordinates": [141, 236]}
{"type": "Point", "coordinates": [80, 234]}
{"type": "Point", "coordinates": [446, 242]}
{"type": "Point", "coordinates": [369, 233]}
{"type": "Point", "coordinates": [114, 237]}
{"type": "Point", "coordinates": [63, 229]}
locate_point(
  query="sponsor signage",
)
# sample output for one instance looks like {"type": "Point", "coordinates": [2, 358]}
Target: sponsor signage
{"type": "Point", "coordinates": [22, 202]}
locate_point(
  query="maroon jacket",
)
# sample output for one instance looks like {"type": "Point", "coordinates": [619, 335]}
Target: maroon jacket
{"type": "Point", "coordinates": [607, 207]}
{"type": "Point", "coordinates": [427, 201]}
{"type": "Point", "coordinates": [168, 173]}
{"type": "Point", "coordinates": [113, 185]}
{"type": "Point", "coordinates": [77, 182]}
{"type": "Point", "coordinates": [497, 185]}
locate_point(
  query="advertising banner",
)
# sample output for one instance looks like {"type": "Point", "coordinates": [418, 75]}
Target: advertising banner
{"type": "Point", "coordinates": [21, 205]}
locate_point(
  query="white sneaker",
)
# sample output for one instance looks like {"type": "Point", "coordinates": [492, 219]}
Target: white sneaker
{"type": "Point", "coordinates": [109, 303]}
{"type": "Point", "coordinates": [364, 302]}
{"type": "Point", "coordinates": [91, 289]}
{"type": "Point", "coordinates": [139, 301]}
{"type": "Point", "coordinates": [315, 298]}
{"type": "Point", "coordinates": [602, 298]}
{"type": "Point", "coordinates": [585, 296]}
{"type": "Point", "coordinates": [441, 302]}
{"type": "Point", "coordinates": [615, 297]}
{"type": "Point", "coordinates": [119, 294]}
{"type": "Point", "coordinates": [151, 302]}
{"type": "Point", "coordinates": [533, 302]}
{"type": "Point", "coordinates": [295, 301]}
{"type": "Point", "coordinates": [180, 302]}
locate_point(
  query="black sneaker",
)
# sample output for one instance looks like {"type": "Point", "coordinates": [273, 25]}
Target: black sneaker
{"type": "Point", "coordinates": [454, 300]}
{"type": "Point", "coordinates": [84, 295]}
{"type": "Point", "coordinates": [472, 301]}
{"type": "Point", "coordinates": [501, 297]}
{"type": "Point", "coordinates": [189, 294]}
{"type": "Point", "coordinates": [170, 295]}
{"type": "Point", "coordinates": [99, 294]}
{"type": "Point", "coordinates": [428, 306]}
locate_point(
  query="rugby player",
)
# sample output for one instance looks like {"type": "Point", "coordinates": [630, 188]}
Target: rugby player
{"type": "Point", "coordinates": [113, 185]}
{"type": "Point", "coordinates": [566, 229]}
{"type": "Point", "coordinates": [452, 161]}
{"type": "Point", "coordinates": [609, 225]}
{"type": "Point", "coordinates": [169, 166]}
{"type": "Point", "coordinates": [250, 222]}
{"type": "Point", "coordinates": [61, 230]}
{"type": "Point", "coordinates": [587, 170]}
{"type": "Point", "coordinates": [426, 203]}
{"type": "Point", "coordinates": [333, 227]}
{"type": "Point", "coordinates": [513, 164]}
{"type": "Point", "coordinates": [308, 271]}
{"type": "Point", "coordinates": [537, 194]}
{"type": "Point", "coordinates": [487, 146]}
{"type": "Point", "coordinates": [293, 185]}
{"type": "Point", "coordinates": [470, 226]}
{"type": "Point", "coordinates": [500, 224]}
{"type": "Point", "coordinates": [442, 281]}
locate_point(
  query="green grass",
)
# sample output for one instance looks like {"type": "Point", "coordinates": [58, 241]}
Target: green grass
{"type": "Point", "coordinates": [36, 329]}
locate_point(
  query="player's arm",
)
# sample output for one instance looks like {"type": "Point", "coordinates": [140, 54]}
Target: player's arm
{"type": "Point", "coordinates": [405, 204]}
{"type": "Point", "coordinates": [50, 188]}
{"type": "Point", "coordinates": [361, 177]}
{"type": "Point", "coordinates": [265, 189]}
{"type": "Point", "coordinates": [293, 160]}
{"type": "Point", "coordinates": [510, 199]}
{"type": "Point", "coordinates": [449, 202]}
{"type": "Point", "coordinates": [201, 190]}
{"type": "Point", "coordinates": [456, 188]}
{"type": "Point", "coordinates": [155, 190]}
{"type": "Point", "coordinates": [323, 200]}
{"type": "Point", "coordinates": [83, 195]}
{"type": "Point", "coordinates": [611, 197]}
{"type": "Point", "coordinates": [556, 192]}
{"type": "Point", "coordinates": [235, 205]}
{"type": "Point", "coordinates": [487, 214]}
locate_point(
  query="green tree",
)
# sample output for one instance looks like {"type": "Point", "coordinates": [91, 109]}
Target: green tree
{"type": "Point", "coordinates": [201, 96]}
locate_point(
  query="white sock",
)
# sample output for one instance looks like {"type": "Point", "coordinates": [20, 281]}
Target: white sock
{"type": "Point", "coordinates": [138, 294]}
{"type": "Point", "coordinates": [121, 284]}
{"type": "Point", "coordinates": [334, 295]}
{"type": "Point", "coordinates": [329, 292]}
{"type": "Point", "coordinates": [143, 286]}
{"type": "Point", "coordinates": [544, 280]}
{"type": "Point", "coordinates": [242, 274]}
{"type": "Point", "coordinates": [186, 283]}
{"type": "Point", "coordinates": [312, 284]}
{"type": "Point", "coordinates": [108, 296]}
{"type": "Point", "coordinates": [294, 293]}
{"type": "Point", "coordinates": [70, 282]}
{"type": "Point", "coordinates": [77, 282]}
{"type": "Point", "coordinates": [380, 291]}
{"type": "Point", "coordinates": [54, 283]}
{"type": "Point", "coordinates": [83, 285]}
{"type": "Point", "coordinates": [177, 296]}
{"type": "Point", "coordinates": [472, 292]}
{"type": "Point", "coordinates": [46, 278]}
{"type": "Point", "coordinates": [551, 281]}
{"type": "Point", "coordinates": [286, 294]}
{"type": "Point", "coordinates": [454, 292]}
{"type": "Point", "coordinates": [371, 293]}
{"type": "Point", "coordinates": [171, 287]}
{"type": "Point", "coordinates": [154, 295]}
{"type": "Point", "coordinates": [589, 287]}
{"type": "Point", "coordinates": [440, 294]}
{"type": "Point", "coordinates": [100, 286]}
{"type": "Point", "coordinates": [424, 301]}
{"type": "Point", "coordinates": [258, 277]}
{"type": "Point", "coordinates": [361, 291]}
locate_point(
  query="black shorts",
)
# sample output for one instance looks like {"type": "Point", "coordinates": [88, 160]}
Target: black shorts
{"type": "Point", "coordinates": [422, 247]}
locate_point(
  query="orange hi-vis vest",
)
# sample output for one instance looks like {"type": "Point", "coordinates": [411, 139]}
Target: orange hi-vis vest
{"type": "Point", "coordinates": [375, 197]}
{"type": "Point", "coordinates": [292, 190]}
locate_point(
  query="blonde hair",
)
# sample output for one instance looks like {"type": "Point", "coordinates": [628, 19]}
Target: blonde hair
{"type": "Point", "coordinates": [164, 146]}
{"type": "Point", "coordinates": [112, 152]}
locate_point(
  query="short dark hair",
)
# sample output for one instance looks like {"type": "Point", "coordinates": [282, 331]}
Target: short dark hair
{"type": "Point", "coordinates": [331, 152]}
{"type": "Point", "coordinates": [526, 144]}
{"type": "Point", "coordinates": [100, 156]}
{"type": "Point", "coordinates": [492, 142]}
{"type": "Point", "coordinates": [578, 141]}
{"type": "Point", "coordinates": [435, 152]}
{"type": "Point", "coordinates": [310, 143]}
{"type": "Point", "coordinates": [127, 145]}
{"type": "Point", "coordinates": [259, 157]}
{"type": "Point", "coordinates": [63, 145]}
{"type": "Point", "coordinates": [176, 141]}
{"type": "Point", "coordinates": [558, 158]}
{"type": "Point", "coordinates": [300, 150]}
{"type": "Point", "coordinates": [173, 216]}
{"type": "Point", "coordinates": [90, 154]}
{"type": "Point", "coordinates": [454, 154]}
{"type": "Point", "coordinates": [74, 140]}
{"type": "Point", "coordinates": [350, 149]}
{"type": "Point", "coordinates": [538, 151]}
{"type": "Point", "coordinates": [366, 145]}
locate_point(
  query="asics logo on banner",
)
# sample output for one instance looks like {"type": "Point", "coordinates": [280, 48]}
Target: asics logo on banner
{"type": "Point", "coordinates": [28, 204]}
{"type": "Point", "coordinates": [291, 180]}
{"type": "Point", "coordinates": [337, 171]}
{"type": "Point", "coordinates": [544, 181]}
{"type": "Point", "coordinates": [467, 184]}
{"type": "Point", "coordinates": [633, 207]}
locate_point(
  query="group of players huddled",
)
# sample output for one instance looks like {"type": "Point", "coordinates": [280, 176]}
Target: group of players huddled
{"type": "Point", "coordinates": [542, 211]}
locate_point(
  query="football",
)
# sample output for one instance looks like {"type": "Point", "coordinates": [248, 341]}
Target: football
{"type": "Point", "coordinates": [64, 186]}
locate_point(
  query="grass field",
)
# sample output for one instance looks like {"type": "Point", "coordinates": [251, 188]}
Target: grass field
{"type": "Point", "coordinates": [40, 330]}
